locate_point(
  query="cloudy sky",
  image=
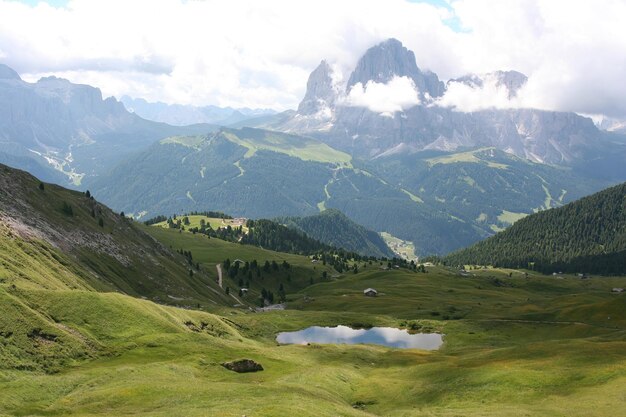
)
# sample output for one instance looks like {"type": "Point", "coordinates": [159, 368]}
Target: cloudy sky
{"type": "Point", "coordinates": [260, 53]}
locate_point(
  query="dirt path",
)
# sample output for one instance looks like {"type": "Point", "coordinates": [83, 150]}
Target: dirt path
{"type": "Point", "coordinates": [219, 274]}
{"type": "Point", "coordinates": [236, 299]}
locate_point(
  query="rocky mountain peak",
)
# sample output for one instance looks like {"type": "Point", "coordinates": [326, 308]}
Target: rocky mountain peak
{"type": "Point", "coordinates": [8, 73]}
{"type": "Point", "coordinates": [320, 93]}
{"type": "Point", "coordinates": [81, 100]}
{"type": "Point", "coordinates": [391, 59]}
{"type": "Point", "coordinates": [512, 80]}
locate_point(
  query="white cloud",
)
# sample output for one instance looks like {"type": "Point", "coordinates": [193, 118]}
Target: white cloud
{"type": "Point", "coordinates": [465, 98]}
{"type": "Point", "coordinates": [574, 52]}
{"type": "Point", "coordinates": [396, 95]}
{"type": "Point", "coordinates": [259, 54]}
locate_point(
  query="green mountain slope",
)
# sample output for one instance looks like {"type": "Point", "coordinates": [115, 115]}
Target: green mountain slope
{"type": "Point", "coordinates": [440, 201]}
{"type": "Point", "coordinates": [71, 345]}
{"type": "Point", "coordinates": [334, 228]}
{"type": "Point", "coordinates": [588, 235]}
{"type": "Point", "coordinates": [59, 239]}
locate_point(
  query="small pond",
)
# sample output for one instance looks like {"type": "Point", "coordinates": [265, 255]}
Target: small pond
{"type": "Point", "coordinates": [386, 336]}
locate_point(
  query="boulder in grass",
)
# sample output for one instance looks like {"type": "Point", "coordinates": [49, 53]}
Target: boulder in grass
{"type": "Point", "coordinates": [243, 365]}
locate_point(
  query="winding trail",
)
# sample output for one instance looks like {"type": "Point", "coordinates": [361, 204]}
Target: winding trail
{"type": "Point", "coordinates": [219, 282]}
{"type": "Point", "coordinates": [219, 274]}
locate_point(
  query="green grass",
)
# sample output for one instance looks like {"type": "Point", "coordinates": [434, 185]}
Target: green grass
{"type": "Point", "coordinates": [412, 196]}
{"type": "Point", "coordinates": [72, 344]}
{"type": "Point", "coordinates": [141, 359]}
{"type": "Point", "coordinates": [216, 223]}
{"type": "Point", "coordinates": [188, 141]}
{"type": "Point", "coordinates": [469, 156]}
{"type": "Point", "coordinates": [299, 147]}
{"type": "Point", "coordinates": [210, 252]}
{"type": "Point", "coordinates": [509, 217]}
{"type": "Point", "coordinates": [404, 248]}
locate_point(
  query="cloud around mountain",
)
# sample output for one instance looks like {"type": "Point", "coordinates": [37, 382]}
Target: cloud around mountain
{"type": "Point", "coordinates": [397, 94]}
{"type": "Point", "coordinates": [244, 54]}
{"type": "Point", "coordinates": [468, 98]}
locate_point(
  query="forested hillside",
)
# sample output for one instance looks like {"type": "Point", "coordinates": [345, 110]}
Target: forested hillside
{"type": "Point", "coordinates": [336, 229]}
{"type": "Point", "coordinates": [588, 235]}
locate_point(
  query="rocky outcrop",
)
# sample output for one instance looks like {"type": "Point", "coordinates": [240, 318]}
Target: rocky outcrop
{"type": "Point", "coordinates": [243, 366]}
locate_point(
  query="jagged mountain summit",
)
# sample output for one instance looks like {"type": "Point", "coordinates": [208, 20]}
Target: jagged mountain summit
{"type": "Point", "coordinates": [321, 93]}
{"type": "Point", "coordinates": [389, 59]}
{"type": "Point", "coordinates": [428, 123]}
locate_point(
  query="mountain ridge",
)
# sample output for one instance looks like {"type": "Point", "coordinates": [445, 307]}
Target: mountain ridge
{"type": "Point", "coordinates": [184, 115]}
{"type": "Point", "coordinates": [67, 128]}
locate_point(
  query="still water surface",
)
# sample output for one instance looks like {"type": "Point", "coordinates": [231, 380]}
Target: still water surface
{"type": "Point", "coordinates": [386, 336]}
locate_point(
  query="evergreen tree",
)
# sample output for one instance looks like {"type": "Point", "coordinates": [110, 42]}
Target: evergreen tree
{"type": "Point", "coordinates": [67, 209]}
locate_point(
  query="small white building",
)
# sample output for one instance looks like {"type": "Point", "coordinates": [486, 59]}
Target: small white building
{"type": "Point", "coordinates": [370, 292]}
{"type": "Point", "coordinates": [617, 290]}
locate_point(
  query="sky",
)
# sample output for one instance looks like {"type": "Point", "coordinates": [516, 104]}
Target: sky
{"type": "Point", "coordinates": [258, 54]}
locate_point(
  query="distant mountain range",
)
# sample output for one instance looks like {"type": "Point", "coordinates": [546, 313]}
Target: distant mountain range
{"type": "Point", "coordinates": [63, 131]}
{"type": "Point", "coordinates": [183, 115]}
{"type": "Point", "coordinates": [588, 235]}
{"type": "Point", "coordinates": [423, 172]}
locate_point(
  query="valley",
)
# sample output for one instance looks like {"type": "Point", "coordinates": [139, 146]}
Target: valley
{"type": "Point", "coordinates": [278, 209]}
{"type": "Point", "coordinates": [76, 342]}
{"type": "Point", "coordinates": [429, 174]}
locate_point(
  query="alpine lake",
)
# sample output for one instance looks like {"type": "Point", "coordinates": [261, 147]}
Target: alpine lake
{"type": "Point", "coordinates": [385, 336]}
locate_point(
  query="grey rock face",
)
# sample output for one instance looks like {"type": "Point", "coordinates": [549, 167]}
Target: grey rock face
{"type": "Point", "coordinates": [7, 73]}
{"type": "Point", "coordinates": [320, 92]}
{"type": "Point", "coordinates": [512, 80]}
{"type": "Point", "coordinates": [243, 366]}
{"type": "Point", "coordinates": [68, 127]}
{"type": "Point", "coordinates": [388, 59]}
{"type": "Point", "coordinates": [53, 113]}
{"type": "Point", "coordinates": [540, 136]}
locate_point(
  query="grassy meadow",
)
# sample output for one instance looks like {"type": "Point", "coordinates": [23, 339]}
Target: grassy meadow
{"type": "Point", "coordinates": [513, 345]}
{"type": "Point", "coordinates": [214, 222]}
